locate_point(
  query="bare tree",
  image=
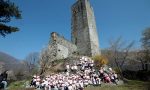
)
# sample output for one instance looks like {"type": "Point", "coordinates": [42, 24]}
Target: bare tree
{"type": "Point", "coordinates": [118, 53]}
{"type": "Point", "coordinates": [43, 61]}
{"type": "Point", "coordinates": [2, 67]}
{"type": "Point", "coordinates": [47, 56]}
{"type": "Point", "coordinates": [139, 55]}
{"type": "Point", "coordinates": [31, 62]}
{"type": "Point", "coordinates": [146, 47]}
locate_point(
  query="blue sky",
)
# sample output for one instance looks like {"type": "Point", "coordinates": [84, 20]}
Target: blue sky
{"type": "Point", "coordinates": [114, 18]}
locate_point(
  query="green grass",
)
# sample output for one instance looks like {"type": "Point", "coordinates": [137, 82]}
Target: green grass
{"type": "Point", "coordinates": [18, 85]}
{"type": "Point", "coordinates": [130, 85]}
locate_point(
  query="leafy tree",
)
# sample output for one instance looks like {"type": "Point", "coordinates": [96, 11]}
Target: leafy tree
{"type": "Point", "coordinates": [8, 10]}
{"type": "Point", "coordinates": [146, 47]}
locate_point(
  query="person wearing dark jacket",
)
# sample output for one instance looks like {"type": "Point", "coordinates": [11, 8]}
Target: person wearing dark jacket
{"type": "Point", "coordinates": [4, 75]}
{"type": "Point", "coordinates": [1, 84]}
{"type": "Point", "coordinates": [4, 80]}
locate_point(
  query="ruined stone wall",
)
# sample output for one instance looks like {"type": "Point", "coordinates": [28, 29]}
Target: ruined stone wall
{"type": "Point", "coordinates": [62, 47]}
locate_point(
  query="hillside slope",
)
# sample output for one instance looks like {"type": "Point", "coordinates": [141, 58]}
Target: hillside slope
{"type": "Point", "coordinates": [8, 62]}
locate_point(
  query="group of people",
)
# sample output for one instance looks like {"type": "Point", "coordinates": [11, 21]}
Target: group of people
{"type": "Point", "coordinates": [76, 77]}
{"type": "Point", "coordinates": [3, 80]}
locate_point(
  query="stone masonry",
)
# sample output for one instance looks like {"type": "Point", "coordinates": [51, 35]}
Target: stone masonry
{"type": "Point", "coordinates": [84, 38]}
{"type": "Point", "coordinates": [61, 47]}
{"type": "Point", "coordinates": [84, 33]}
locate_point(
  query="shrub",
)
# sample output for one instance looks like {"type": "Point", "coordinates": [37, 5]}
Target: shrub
{"type": "Point", "coordinates": [100, 60]}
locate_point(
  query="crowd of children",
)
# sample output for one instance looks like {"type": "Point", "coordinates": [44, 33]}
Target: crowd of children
{"type": "Point", "coordinates": [76, 77]}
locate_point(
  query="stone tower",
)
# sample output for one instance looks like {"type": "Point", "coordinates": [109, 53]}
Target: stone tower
{"type": "Point", "coordinates": [83, 25]}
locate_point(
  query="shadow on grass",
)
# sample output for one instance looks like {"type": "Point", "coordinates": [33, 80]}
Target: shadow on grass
{"type": "Point", "coordinates": [129, 85]}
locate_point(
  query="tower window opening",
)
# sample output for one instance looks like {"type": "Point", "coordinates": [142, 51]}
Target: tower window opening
{"type": "Point", "coordinates": [75, 41]}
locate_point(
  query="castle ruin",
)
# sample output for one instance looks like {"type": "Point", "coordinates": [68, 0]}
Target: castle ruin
{"type": "Point", "coordinates": [84, 37]}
